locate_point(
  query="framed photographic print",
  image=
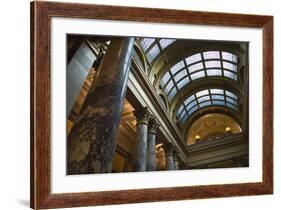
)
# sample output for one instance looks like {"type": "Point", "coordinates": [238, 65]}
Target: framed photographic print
{"type": "Point", "coordinates": [140, 105]}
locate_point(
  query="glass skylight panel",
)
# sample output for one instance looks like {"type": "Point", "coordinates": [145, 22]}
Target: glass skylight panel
{"type": "Point", "coordinates": [204, 98]}
{"type": "Point", "coordinates": [230, 94]}
{"type": "Point", "coordinates": [166, 78]}
{"type": "Point", "coordinates": [182, 114]}
{"type": "Point", "coordinates": [180, 110]}
{"type": "Point", "coordinates": [177, 67]}
{"type": "Point", "coordinates": [169, 86]}
{"type": "Point", "coordinates": [230, 66]}
{"type": "Point", "coordinates": [217, 97]}
{"type": "Point", "coordinates": [231, 106]}
{"type": "Point", "coordinates": [190, 105]}
{"type": "Point", "coordinates": [206, 103]}
{"type": "Point", "coordinates": [214, 72]}
{"type": "Point", "coordinates": [146, 43]}
{"type": "Point", "coordinates": [180, 75]}
{"type": "Point", "coordinates": [211, 55]}
{"type": "Point", "coordinates": [153, 52]}
{"type": "Point", "coordinates": [193, 58]}
{"type": "Point", "coordinates": [213, 64]}
{"type": "Point", "coordinates": [195, 67]}
{"type": "Point", "coordinates": [182, 83]}
{"type": "Point", "coordinates": [219, 103]}
{"type": "Point", "coordinates": [192, 110]}
{"type": "Point", "coordinates": [230, 75]}
{"type": "Point", "coordinates": [184, 118]}
{"type": "Point", "coordinates": [202, 93]}
{"type": "Point", "coordinates": [172, 93]}
{"type": "Point", "coordinates": [189, 99]}
{"type": "Point", "coordinates": [231, 100]}
{"type": "Point", "coordinates": [229, 57]}
{"type": "Point", "coordinates": [217, 91]}
{"type": "Point", "coordinates": [166, 42]}
{"type": "Point", "coordinates": [197, 75]}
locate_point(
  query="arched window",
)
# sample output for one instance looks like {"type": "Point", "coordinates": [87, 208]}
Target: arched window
{"type": "Point", "coordinates": [200, 65]}
{"type": "Point", "coordinates": [204, 98]}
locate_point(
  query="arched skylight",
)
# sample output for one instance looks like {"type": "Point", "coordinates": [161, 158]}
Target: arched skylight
{"type": "Point", "coordinates": [152, 47]}
{"type": "Point", "coordinates": [204, 98]}
{"type": "Point", "coordinates": [200, 65]}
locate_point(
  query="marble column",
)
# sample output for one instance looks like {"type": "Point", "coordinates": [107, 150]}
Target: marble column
{"type": "Point", "coordinates": [169, 152]}
{"type": "Point", "coordinates": [141, 146]}
{"type": "Point", "coordinates": [151, 156]}
{"type": "Point", "coordinates": [92, 140]}
{"type": "Point", "coordinates": [175, 157]}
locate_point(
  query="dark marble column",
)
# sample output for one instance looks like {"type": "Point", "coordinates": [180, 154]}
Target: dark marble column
{"type": "Point", "coordinates": [141, 147]}
{"type": "Point", "coordinates": [151, 157]}
{"type": "Point", "coordinates": [92, 140]}
{"type": "Point", "coordinates": [169, 152]}
{"type": "Point", "coordinates": [175, 157]}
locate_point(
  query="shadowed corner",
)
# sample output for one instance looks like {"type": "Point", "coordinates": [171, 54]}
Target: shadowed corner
{"type": "Point", "coordinates": [24, 202]}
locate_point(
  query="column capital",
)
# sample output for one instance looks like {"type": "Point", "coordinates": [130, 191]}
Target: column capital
{"type": "Point", "coordinates": [142, 115]}
{"type": "Point", "coordinates": [152, 125]}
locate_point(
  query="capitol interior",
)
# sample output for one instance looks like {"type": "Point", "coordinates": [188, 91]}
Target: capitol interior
{"type": "Point", "coordinates": [137, 104]}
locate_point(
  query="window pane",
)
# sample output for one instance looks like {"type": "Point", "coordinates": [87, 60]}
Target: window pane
{"type": "Point", "coordinates": [172, 94]}
{"type": "Point", "coordinates": [217, 97]}
{"type": "Point", "coordinates": [153, 53]}
{"type": "Point", "coordinates": [219, 103]}
{"type": "Point", "coordinates": [182, 83]}
{"type": "Point", "coordinates": [166, 77]}
{"type": "Point", "coordinates": [213, 64]}
{"type": "Point", "coordinates": [197, 75]}
{"type": "Point", "coordinates": [229, 56]}
{"type": "Point", "coordinates": [211, 55]}
{"type": "Point", "coordinates": [184, 118]}
{"type": "Point", "coordinates": [214, 72]}
{"type": "Point", "coordinates": [169, 86]}
{"type": "Point", "coordinates": [216, 91]}
{"type": "Point", "coordinates": [180, 110]}
{"type": "Point", "coordinates": [207, 103]}
{"type": "Point", "coordinates": [192, 110]}
{"type": "Point", "coordinates": [146, 43]}
{"type": "Point", "coordinates": [177, 67]}
{"type": "Point", "coordinates": [182, 114]}
{"type": "Point", "coordinates": [231, 100]}
{"type": "Point", "coordinates": [192, 104]}
{"type": "Point", "coordinates": [231, 106]}
{"type": "Point", "coordinates": [166, 42]}
{"type": "Point", "coordinates": [230, 66]}
{"type": "Point", "coordinates": [230, 75]}
{"type": "Point", "coordinates": [230, 94]}
{"type": "Point", "coordinates": [189, 99]}
{"type": "Point", "coordinates": [204, 98]}
{"type": "Point", "coordinates": [195, 67]}
{"type": "Point", "coordinates": [180, 75]}
{"type": "Point", "coordinates": [193, 58]}
{"type": "Point", "coordinates": [201, 93]}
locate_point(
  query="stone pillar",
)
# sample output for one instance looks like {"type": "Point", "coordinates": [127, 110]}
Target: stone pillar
{"type": "Point", "coordinates": [176, 163]}
{"type": "Point", "coordinates": [92, 140]}
{"type": "Point", "coordinates": [169, 152]}
{"type": "Point", "coordinates": [151, 156]}
{"type": "Point", "coordinates": [141, 147]}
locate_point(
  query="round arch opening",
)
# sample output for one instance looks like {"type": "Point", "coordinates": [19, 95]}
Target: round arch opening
{"type": "Point", "coordinates": [212, 126]}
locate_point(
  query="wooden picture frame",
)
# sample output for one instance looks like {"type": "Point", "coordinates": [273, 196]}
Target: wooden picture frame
{"type": "Point", "coordinates": [41, 14]}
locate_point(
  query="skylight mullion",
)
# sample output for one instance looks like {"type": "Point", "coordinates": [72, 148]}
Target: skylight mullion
{"type": "Point", "coordinates": [188, 74]}
{"type": "Point", "coordinates": [211, 99]}
{"type": "Point", "coordinates": [222, 69]}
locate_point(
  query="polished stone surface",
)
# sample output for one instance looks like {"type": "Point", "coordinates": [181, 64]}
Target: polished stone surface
{"type": "Point", "coordinates": [141, 147]}
{"type": "Point", "coordinates": [169, 151]}
{"type": "Point", "coordinates": [92, 140]}
{"type": "Point", "coordinates": [151, 156]}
